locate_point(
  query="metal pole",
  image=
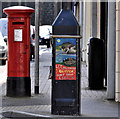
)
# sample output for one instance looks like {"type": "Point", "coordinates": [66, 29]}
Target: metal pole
{"type": "Point", "coordinates": [94, 20]}
{"type": "Point", "coordinates": [111, 50]}
{"type": "Point", "coordinates": [81, 24]}
{"type": "Point", "coordinates": [84, 32]}
{"type": "Point", "coordinates": [0, 9]}
{"type": "Point", "coordinates": [67, 5]}
{"type": "Point", "coordinates": [19, 2]}
{"type": "Point", "coordinates": [37, 47]}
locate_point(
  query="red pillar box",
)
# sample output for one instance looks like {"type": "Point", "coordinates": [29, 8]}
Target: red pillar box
{"type": "Point", "coordinates": [18, 80]}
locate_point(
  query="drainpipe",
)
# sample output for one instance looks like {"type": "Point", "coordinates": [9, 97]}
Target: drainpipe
{"type": "Point", "coordinates": [111, 50]}
{"type": "Point", "coordinates": [94, 20]}
{"type": "Point", "coordinates": [117, 88]}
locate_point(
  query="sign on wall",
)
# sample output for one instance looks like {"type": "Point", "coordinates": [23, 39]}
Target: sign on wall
{"type": "Point", "coordinates": [17, 34]}
{"type": "Point", "coordinates": [65, 59]}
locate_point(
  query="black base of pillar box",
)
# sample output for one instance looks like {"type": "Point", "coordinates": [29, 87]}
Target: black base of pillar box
{"type": "Point", "coordinates": [18, 86]}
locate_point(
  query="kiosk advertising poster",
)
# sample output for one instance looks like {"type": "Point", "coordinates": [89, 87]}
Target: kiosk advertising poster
{"type": "Point", "coordinates": [65, 59]}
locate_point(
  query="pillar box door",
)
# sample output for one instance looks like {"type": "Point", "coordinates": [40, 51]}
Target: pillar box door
{"type": "Point", "coordinates": [18, 78]}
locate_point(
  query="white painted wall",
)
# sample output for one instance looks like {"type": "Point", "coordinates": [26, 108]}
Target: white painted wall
{"type": "Point", "coordinates": [117, 88]}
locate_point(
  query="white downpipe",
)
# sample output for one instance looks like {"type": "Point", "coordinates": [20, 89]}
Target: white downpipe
{"type": "Point", "coordinates": [111, 50]}
{"type": "Point", "coordinates": [117, 88]}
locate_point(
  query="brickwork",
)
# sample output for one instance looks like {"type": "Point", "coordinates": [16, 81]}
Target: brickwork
{"type": "Point", "coordinates": [48, 11]}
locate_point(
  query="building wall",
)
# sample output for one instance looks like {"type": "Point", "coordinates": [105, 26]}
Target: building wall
{"type": "Point", "coordinates": [112, 88]}
{"type": "Point", "coordinates": [83, 14]}
{"type": "Point", "coordinates": [28, 4]}
{"type": "Point", "coordinates": [86, 29]}
{"type": "Point", "coordinates": [48, 10]}
{"type": "Point", "coordinates": [47, 13]}
{"type": "Point", "coordinates": [117, 91]}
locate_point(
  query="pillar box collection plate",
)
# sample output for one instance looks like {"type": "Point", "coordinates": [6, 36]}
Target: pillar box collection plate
{"type": "Point", "coordinates": [18, 78]}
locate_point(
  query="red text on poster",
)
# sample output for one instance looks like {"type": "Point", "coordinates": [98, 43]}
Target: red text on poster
{"type": "Point", "coordinates": [65, 73]}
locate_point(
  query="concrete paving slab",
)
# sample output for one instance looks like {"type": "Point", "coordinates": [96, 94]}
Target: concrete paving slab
{"type": "Point", "coordinates": [19, 115]}
{"type": "Point", "coordinates": [94, 103]}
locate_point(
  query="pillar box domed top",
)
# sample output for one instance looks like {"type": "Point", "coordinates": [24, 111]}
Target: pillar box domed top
{"type": "Point", "coordinates": [18, 11]}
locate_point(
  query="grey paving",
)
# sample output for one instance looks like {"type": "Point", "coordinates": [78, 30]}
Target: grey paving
{"type": "Point", "coordinates": [94, 103]}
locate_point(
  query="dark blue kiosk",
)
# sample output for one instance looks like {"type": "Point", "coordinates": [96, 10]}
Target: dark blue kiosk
{"type": "Point", "coordinates": [66, 65]}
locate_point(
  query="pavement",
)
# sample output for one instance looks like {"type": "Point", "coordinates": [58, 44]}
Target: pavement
{"type": "Point", "coordinates": [94, 103]}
